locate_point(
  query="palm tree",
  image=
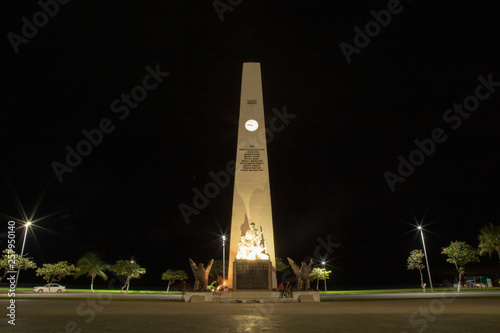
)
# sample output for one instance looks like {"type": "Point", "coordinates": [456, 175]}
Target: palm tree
{"type": "Point", "coordinates": [489, 240]}
{"type": "Point", "coordinates": [93, 266]}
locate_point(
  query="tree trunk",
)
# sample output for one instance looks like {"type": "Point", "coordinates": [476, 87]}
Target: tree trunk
{"type": "Point", "coordinates": [128, 284]}
{"type": "Point", "coordinates": [92, 283]}
{"type": "Point", "coordinates": [421, 280]}
{"type": "Point", "coordinates": [125, 285]}
{"type": "Point", "coordinates": [459, 281]}
{"type": "Point", "coordinates": [168, 287]}
{"type": "Point", "coordinates": [317, 284]}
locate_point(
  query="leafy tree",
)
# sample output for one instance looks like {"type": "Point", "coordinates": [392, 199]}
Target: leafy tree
{"type": "Point", "coordinates": [460, 254]}
{"type": "Point", "coordinates": [489, 240]}
{"type": "Point", "coordinates": [128, 268]}
{"type": "Point", "coordinates": [217, 268]}
{"type": "Point", "coordinates": [415, 262]}
{"type": "Point", "coordinates": [23, 263]}
{"type": "Point", "coordinates": [173, 276]}
{"type": "Point", "coordinates": [56, 272]}
{"type": "Point", "coordinates": [93, 266]}
{"type": "Point", "coordinates": [280, 265]}
{"type": "Point", "coordinates": [319, 274]}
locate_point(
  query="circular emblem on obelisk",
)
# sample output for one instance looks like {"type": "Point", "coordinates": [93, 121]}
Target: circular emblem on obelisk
{"type": "Point", "coordinates": [251, 125]}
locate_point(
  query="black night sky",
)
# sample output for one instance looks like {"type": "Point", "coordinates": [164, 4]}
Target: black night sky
{"type": "Point", "coordinates": [327, 166]}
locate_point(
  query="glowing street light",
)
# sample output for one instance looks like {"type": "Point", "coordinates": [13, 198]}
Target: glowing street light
{"type": "Point", "coordinates": [26, 226]}
{"type": "Point", "coordinates": [324, 273]}
{"type": "Point", "coordinates": [426, 259]}
{"type": "Point", "coordinates": [223, 261]}
{"type": "Point", "coordinates": [29, 221]}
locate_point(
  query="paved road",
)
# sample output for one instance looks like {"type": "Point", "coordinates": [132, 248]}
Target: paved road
{"type": "Point", "coordinates": [402, 316]}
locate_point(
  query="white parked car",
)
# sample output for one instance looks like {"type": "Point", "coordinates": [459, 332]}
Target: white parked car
{"type": "Point", "coordinates": [54, 288]}
{"type": "Point", "coordinates": [478, 285]}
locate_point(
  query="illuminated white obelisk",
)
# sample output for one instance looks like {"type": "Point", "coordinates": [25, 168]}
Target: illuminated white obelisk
{"type": "Point", "coordinates": [252, 195]}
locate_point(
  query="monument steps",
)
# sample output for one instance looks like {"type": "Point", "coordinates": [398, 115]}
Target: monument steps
{"type": "Point", "coordinates": [251, 297]}
{"type": "Point", "coordinates": [250, 300]}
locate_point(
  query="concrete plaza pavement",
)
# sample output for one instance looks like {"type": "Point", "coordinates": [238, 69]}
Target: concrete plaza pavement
{"type": "Point", "coordinates": [416, 315]}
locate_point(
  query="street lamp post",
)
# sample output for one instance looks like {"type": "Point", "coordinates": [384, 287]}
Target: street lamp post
{"type": "Point", "coordinates": [426, 259]}
{"type": "Point", "coordinates": [324, 273]}
{"type": "Point", "coordinates": [223, 262]}
{"type": "Point", "coordinates": [26, 226]}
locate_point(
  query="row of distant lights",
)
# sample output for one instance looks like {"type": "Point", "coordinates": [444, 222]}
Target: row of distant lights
{"type": "Point", "coordinates": [323, 263]}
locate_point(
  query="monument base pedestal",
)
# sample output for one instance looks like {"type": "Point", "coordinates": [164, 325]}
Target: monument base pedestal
{"type": "Point", "coordinates": [251, 296]}
{"type": "Point", "coordinates": [198, 296]}
{"type": "Point", "coordinates": [306, 296]}
{"type": "Point", "coordinates": [252, 274]}
{"type": "Point", "coordinates": [257, 296]}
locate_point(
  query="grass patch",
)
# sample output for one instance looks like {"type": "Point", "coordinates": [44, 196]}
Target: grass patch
{"type": "Point", "coordinates": [118, 291]}
{"type": "Point", "coordinates": [82, 298]}
{"type": "Point", "coordinates": [417, 290]}
{"type": "Point", "coordinates": [398, 299]}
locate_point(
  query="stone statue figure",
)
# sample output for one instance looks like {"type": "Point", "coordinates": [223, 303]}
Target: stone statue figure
{"type": "Point", "coordinates": [251, 245]}
{"type": "Point", "coordinates": [302, 274]}
{"type": "Point", "coordinates": [201, 275]}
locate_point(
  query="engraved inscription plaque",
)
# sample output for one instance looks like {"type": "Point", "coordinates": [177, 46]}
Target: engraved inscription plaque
{"type": "Point", "coordinates": [252, 274]}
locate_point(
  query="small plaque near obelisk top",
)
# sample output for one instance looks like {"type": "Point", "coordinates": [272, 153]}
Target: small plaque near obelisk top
{"type": "Point", "coordinates": [252, 235]}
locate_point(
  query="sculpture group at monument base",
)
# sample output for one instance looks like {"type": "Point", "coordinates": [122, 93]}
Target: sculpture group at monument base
{"type": "Point", "coordinates": [257, 296]}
